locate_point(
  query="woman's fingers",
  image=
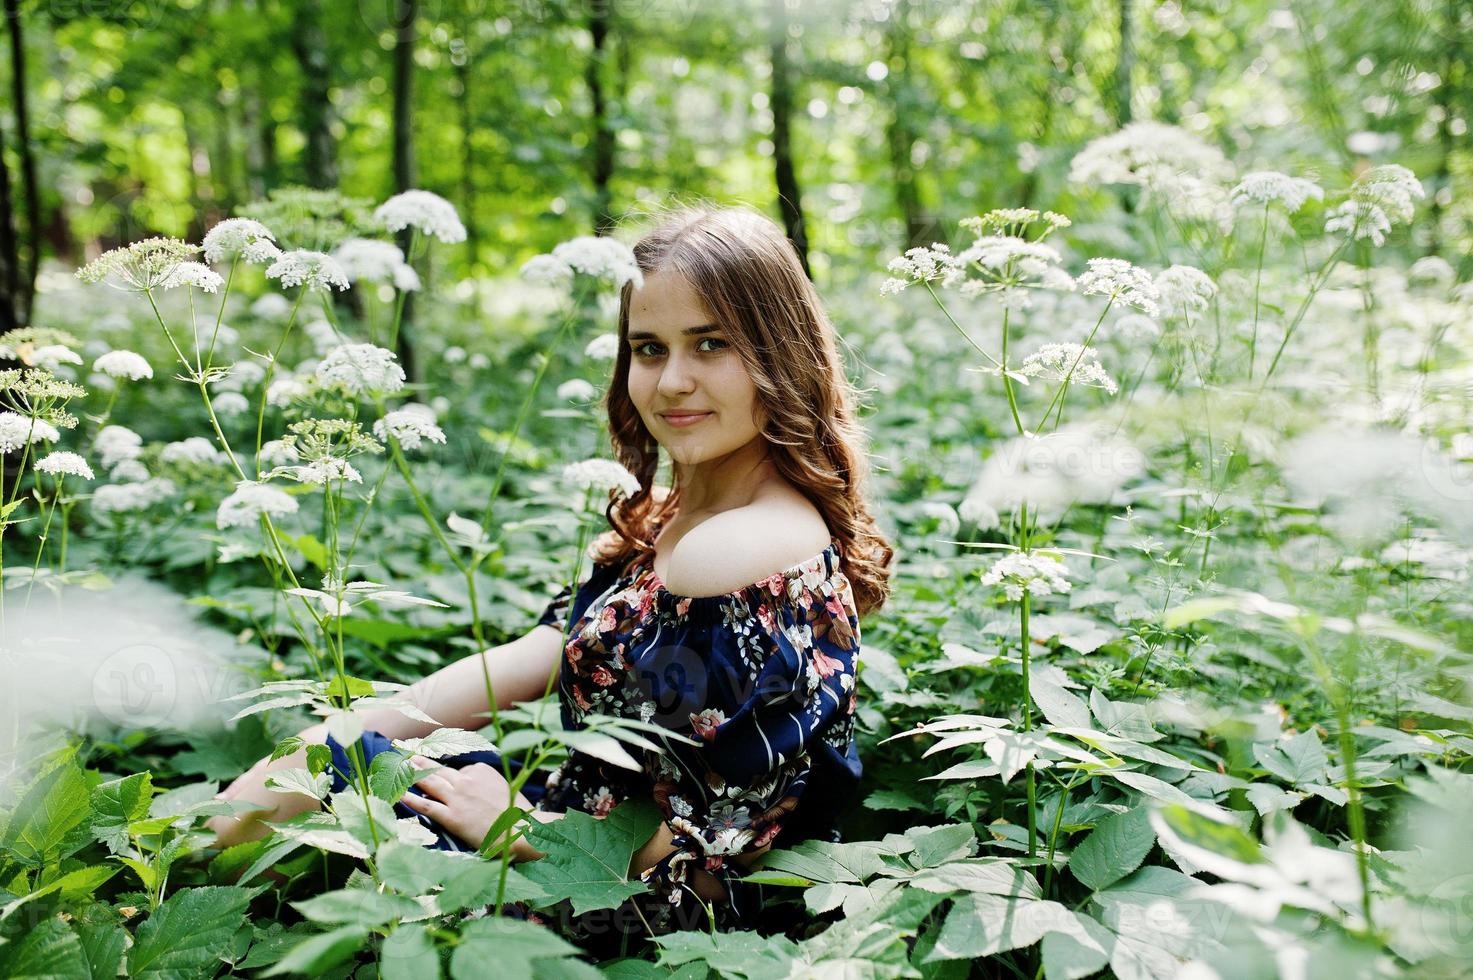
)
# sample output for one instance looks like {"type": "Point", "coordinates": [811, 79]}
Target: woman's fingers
{"type": "Point", "coordinates": [442, 781]}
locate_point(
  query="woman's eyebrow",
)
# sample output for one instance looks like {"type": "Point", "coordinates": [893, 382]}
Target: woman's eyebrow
{"type": "Point", "coordinates": [688, 332]}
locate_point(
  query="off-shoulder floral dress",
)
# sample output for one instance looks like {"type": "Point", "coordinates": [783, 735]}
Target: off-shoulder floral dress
{"type": "Point", "coordinates": [762, 678]}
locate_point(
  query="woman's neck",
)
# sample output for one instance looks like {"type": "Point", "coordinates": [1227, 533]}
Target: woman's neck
{"type": "Point", "coordinates": [729, 481]}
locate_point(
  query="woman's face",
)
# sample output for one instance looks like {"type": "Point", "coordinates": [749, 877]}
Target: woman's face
{"type": "Point", "coordinates": [686, 380]}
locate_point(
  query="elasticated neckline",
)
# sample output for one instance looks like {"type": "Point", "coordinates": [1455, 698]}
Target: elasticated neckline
{"type": "Point", "coordinates": [773, 588]}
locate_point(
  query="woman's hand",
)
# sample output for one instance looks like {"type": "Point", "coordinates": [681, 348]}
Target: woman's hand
{"type": "Point", "coordinates": [466, 801]}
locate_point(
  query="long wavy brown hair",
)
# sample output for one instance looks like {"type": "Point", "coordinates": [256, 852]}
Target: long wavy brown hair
{"type": "Point", "coordinates": [748, 276]}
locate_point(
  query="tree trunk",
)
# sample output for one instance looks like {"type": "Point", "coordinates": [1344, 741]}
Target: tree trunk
{"type": "Point", "coordinates": [900, 136]}
{"type": "Point", "coordinates": [789, 196]}
{"type": "Point", "coordinates": [9, 255]}
{"type": "Point", "coordinates": [462, 95]}
{"type": "Point", "coordinates": [26, 286]}
{"type": "Point", "coordinates": [405, 14]}
{"type": "Point", "coordinates": [309, 44]}
{"type": "Point", "coordinates": [603, 136]}
{"type": "Point", "coordinates": [1125, 64]}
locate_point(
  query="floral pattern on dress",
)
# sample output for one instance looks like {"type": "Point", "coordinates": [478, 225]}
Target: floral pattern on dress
{"type": "Point", "coordinates": [761, 679]}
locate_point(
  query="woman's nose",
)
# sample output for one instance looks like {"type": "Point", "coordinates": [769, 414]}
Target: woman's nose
{"type": "Point", "coordinates": [676, 377]}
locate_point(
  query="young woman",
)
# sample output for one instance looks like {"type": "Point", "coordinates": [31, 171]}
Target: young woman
{"type": "Point", "coordinates": [726, 609]}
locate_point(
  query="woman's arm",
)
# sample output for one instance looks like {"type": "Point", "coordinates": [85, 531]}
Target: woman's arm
{"type": "Point", "coordinates": [454, 695]}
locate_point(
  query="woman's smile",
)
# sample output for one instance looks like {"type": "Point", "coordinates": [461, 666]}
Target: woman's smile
{"type": "Point", "coordinates": [683, 420]}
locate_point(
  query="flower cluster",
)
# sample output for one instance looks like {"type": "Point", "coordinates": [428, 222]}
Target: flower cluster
{"type": "Point", "coordinates": [250, 501]}
{"type": "Point", "coordinates": [1035, 573]}
{"type": "Point", "coordinates": [17, 431]}
{"type": "Point", "coordinates": [1184, 290]}
{"type": "Point", "coordinates": [240, 238]}
{"type": "Point", "coordinates": [123, 498]}
{"type": "Point", "coordinates": [195, 449]}
{"type": "Point", "coordinates": [361, 369]}
{"type": "Point", "coordinates": [430, 213]}
{"type": "Point", "coordinates": [1148, 154]}
{"type": "Point", "coordinates": [63, 463]}
{"type": "Point", "coordinates": [326, 445]}
{"type": "Point", "coordinates": [117, 444]}
{"type": "Point", "coordinates": [1380, 199]}
{"type": "Point", "coordinates": [1073, 363]}
{"type": "Point", "coordinates": [368, 260]}
{"type": "Point", "coordinates": [1269, 187]}
{"type": "Point", "coordinates": [141, 266]}
{"type": "Point", "coordinates": [123, 364]}
{"type": "Point", "coordinates": [595, 256]}
{"type": "Point", "coordinates": [1118, 279]}
{"type": "Point", "coordinates": [576, 390]}
{"type": "Point", "coordinates": [314, 270]}
{"type": "Point", "coordinates": [922, 264]}
{"type": "Point", "coordinates": [602, 474]}
{"type": "Point", "coordinates": [195, 274]}
{"type": "Point", "coordinates": [409, 425]}
{"type": "Point", "coordinates": [604, 347]}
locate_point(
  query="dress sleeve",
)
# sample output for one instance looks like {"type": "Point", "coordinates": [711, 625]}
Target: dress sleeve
{"type": "Point", "coordinates": [556, 613]}
{"type": "Point", "coordinates": [792, 715]}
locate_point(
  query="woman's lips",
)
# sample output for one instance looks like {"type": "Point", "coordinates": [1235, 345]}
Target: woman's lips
{"type": "Point", "coordinates": [681, 421]}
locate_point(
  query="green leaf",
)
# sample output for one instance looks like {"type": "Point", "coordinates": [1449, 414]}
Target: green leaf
{"type": "Point", "coordinates": [357, 906]}
{"type": "Point", "coordinates": [1068, 956]}
{"type": "Point", "coordinates": [588, 859]}
{"type": "Point", "coordinates": [186, 935]}
{"type": "Point", "coordinates": [1114, 849]}
{"type": "Point", "coordinates": [307, 546]}
{"type": "Point", "coordinates": [118, 803]}
{"type": "Point", "coordinates": [985, 925]}
{"type": "Point", "coordinates": [938, 845]}
{"type": "Point", "coordinates": [409, 954]}
{"type": "Point", "coordinates": [991, 875]}
{"type": "Point", "coordinates": [321, 952]}
{"type": "Point", "coordinates": [514, 946]}
{"type": "Point", "coordinates": [49, 951]}
{"type": "Point", "coordinates": [353, 687]}
{"type": "Point", "coordinates": [443, 742]}
{"type": "Point", "coordinates": [41, 827]}
{"type": "Point", "coordinates": [1196, 841]}
{"type": "Point", "coordinates": [1060, 707]}
{"type": "Point", "coordinates": [1297, 759]}
{"type": "Point", "coordinates": [732, 954]}
{"type": "Point", "coordinates": [390, 775]}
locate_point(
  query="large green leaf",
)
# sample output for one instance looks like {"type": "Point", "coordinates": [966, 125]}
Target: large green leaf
{"type": "Point", "coordinates": [409, 954]}
{"type": "Point", "coordinates": [505, 948]}
{"type": "Point", "coordinates": [118, 803]}
{"type": "Point", "coordinates": [1113, 849]}
{"type": "Point", "coordinates": [985, 925]}
{"type": "Point", "coordinates": [320, 952]}
{"type": "Point", "coordinates": [50, 951]}
{"type": "Point", "coordinates": [588, 859]}
{"type": "Point", "coordinates": [42, 825]}
{"type": "Point", "coordinates": [186, 935]}
{"type": "Point", "coordinates": [357, 907]}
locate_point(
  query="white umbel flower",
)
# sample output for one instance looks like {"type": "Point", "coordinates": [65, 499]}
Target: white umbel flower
{"type": "Point", "coordinates": [314, 270]}
{"type": "Point", "coordinates": [63, 463]}
{"type": "Point", "coordinates": [576, 390]}
{"type": "Point", "coordinates": [195, 274]}
{"type": "Point", "coordinates": [945, 516]}
{"type": "Point", "coordinates": [53, 356]}
{"type": "Point", "coordinates": [410, 425]}
{"type": "Point", "coordinates": [547, 271]}
{"type": "Point", "coordinates": [278, 452]}
{"type": "Point", "coordinates": [271, 306]}
{"type": "Point", "coordinates": [1036, 573]}
{"type": "Point", "coordinates": [323, 470]}
{"type": "Point", "coordinates": [1118, 279]}
{"type": "Point", "coordinates": [231, 404]}
{"type": "Point", "coordinates": [1150, 154]}
{"type": "Point", "coordinates": [235, 237]}
{"type": "Point", "coordinates": [602, 474]}
{"type": "Point", "coordinates": [604, 347]}
{"type": "Point", "coordinates": [283, 391]}
{"type": "Point", "coordinates": [1434, 270]}
{"type": "Point", "coordinates": [117, 444]}
{"type": "Point", "coordinates": [360, 369]}
{"type": "Point", "coordinates": [601, 257]}
{"type": "Point", "coordinates": [250, 501]}
{"type": "Point", "coordinates": [1361, 220]}
{"type": "Point", "coordinates": [370, 260]}
{"type": "Point", "coordinates": [128, 471]}
{"type": "Point", "coordinates": [123, 364]}
{"type": "Point", "coordinates": [922, 264]}
{"type": "Point", "coordinates": [195, 449]}
{"type": "Point", "coordinates": [122, 498]}
{"type": "Point", "coordinates": [428, 212]}
{"type": "Point", "coordinates": [18, 430]}
{"type": "Point", "coordinates": [1080, 365]}
{"type": "Point", "coordinates": [1392, 188]}
{"type": "Point", "coordinates": [1269, 187]}
{"type": "Point", "coordinates": [1184, 290]}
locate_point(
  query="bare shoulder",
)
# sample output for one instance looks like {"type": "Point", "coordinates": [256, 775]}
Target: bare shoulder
{"type": "Point", "coordinates": [746, 544]}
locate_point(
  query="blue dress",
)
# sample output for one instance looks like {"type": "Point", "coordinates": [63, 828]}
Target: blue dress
{"type": "Point", "coordinates": [762, 678]}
